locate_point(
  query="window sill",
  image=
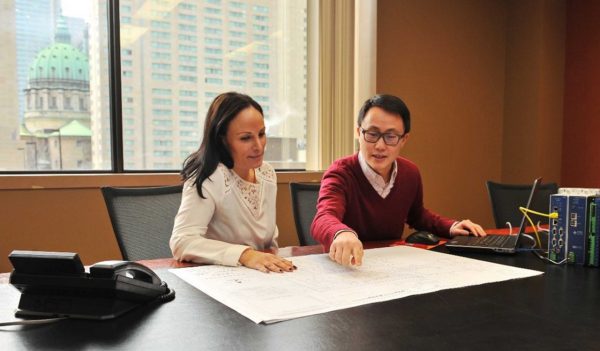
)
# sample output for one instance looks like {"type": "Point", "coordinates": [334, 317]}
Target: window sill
{"type": "Point", "coordinates": [92, 181]}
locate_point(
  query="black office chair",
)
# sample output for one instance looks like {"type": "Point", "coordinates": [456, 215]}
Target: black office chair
{"type": "Point", "coordinates": [506, 199]}
{"type": "Point", "coordinates": [304, 205]}
{"type": "Point", "coordinates": [142, 219]}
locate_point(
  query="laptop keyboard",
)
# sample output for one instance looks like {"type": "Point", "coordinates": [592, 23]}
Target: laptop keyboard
{"type": "Point", "coordinates": [489, 240]}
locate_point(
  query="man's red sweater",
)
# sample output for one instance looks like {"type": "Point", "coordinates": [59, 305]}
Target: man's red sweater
{"type": "Point", "coordinates": [348, 200]}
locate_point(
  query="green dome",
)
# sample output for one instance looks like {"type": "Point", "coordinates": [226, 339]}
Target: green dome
{"type": "Point", "coordinates": [60, 61]}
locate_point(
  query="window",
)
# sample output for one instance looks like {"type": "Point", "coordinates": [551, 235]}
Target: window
{"type": "Point", "coordinates": [236, 43]}
{"type": "Point", "coordinates": [237, 64]}
{"type": "Point", "coordinates": [213, 41]}
{"type": "Point", "coordinates": [189, 124]}
{"type": "Point", "coordinates": [236, 14]}
{"type": "Point", "coordinates": [156, 101]}
{"type": "Point", "coordinates": [188, 58]}
{"type": "Point", "coordinates": [187, 27]}
{"type": "Point", "coordinates": [161, 66]}
{"type": "Point", "coordinates": [187, 103]}
{"type": "Point", "coordinates": [211, 71]}
{"type": "Point", "coordinates": [209, 80]}
{"type": "Point", "coordinates": [159, 91]}
{"type": "Point", "coordinates": [158, 132]}
{"type": "Point", "coordinates": [161, 76]}
{"type": "Point", "coordinates": [191, 48]}
{"type": "Point", "coordinates": [237, 4]}
{"type": "Point", "coordinates": [261, 56]}
{"type": "Point", "coordinates": [260, 9]}
{"type": "Point", "coordinates": [187, 68]}
{"type": "Point", "coordinates": [188, 93]}
{"type": "Point", "coordinates": [213, 51]}
{"type": "Point", "coordinates": [213, 61]}
{"type": "Point", "coordinates": [188, 133]}
{"type": "Point", "coordinates": [235, 24]}
{"type": "Point", "coordinates": [187, 37]}
{"type": "Point", "coordinates": [261, 75]}
{"type": "Point", "coordinates": [260, 28]}
{"type": "Point", "coordinates": [212, 31]}
{"type": "Point", "coordinates": [213, 21]}
{"type": "Point", "coordinates": [188, 113]}
{"type": "Point", "coordinates": [212, 11]}
{"type": "Point", "coordinates": [160, 24]}
{"type": "Point", "coordinates": [260, 37]}
{"type": "Point", "coordinates": [186, 78]}
{"type": "Point", "coordinates": [176, 57]}
{"type": "Point", "coordinates": [161, 35]}
{"type": "Point", "coordinates": [187, 6]}
{"type": "Point", "coordinates": [160, 45]}
{"type": "Point", "coordinates": [185, 17]}
{"type": "Point", "coordinates": [159, 56]}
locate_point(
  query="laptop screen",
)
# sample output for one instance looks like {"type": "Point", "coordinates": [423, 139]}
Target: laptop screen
{"type": "Point", "coordinates": [531, 195]}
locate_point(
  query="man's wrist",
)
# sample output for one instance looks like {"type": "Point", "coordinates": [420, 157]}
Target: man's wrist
{"type": "Point", "coordinates": [346, 230]}
{"type": "Point", "coordinates": [452, 228]}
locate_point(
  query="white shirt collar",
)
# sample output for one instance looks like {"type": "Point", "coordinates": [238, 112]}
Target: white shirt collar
{"type": "Point", "coordinates": [375, 179]}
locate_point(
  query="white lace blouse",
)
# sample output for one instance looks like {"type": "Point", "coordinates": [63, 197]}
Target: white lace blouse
{"type": "Point", "coordinates": [235, 215]}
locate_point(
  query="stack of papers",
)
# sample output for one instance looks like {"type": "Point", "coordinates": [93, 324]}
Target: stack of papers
{"type": "Point", "coordinates": [320, 285]}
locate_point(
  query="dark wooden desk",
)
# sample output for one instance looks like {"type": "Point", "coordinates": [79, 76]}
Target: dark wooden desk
{"type": "Point", "coordinates": [555, 311]}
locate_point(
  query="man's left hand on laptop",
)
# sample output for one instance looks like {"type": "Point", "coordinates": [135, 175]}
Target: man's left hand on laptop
{"type": "Point", "coordinates": [466, 227]}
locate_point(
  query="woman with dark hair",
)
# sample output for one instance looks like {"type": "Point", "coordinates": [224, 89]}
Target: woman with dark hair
{"type": "Point", "coordinates": [227, 211]}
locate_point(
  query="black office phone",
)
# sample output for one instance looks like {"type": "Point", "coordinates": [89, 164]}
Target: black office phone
{"type": "Point", "coordinates": [57, 284]}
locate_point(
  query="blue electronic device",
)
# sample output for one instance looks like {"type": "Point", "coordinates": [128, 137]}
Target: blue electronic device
{"type": "Point", "coordinates": [557, 240]}
{"type": "Point", "coordinates": [593, 226]}
{"type": "Point", "coordinates": [577, 229]}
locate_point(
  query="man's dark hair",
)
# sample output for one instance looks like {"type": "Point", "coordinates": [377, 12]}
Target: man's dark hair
{"type": "Point", "coordinates": [389, 103]}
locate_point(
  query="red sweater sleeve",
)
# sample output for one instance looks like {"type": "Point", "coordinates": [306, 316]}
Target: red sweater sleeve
{"type": "Point", "coordinates": [331, 207]}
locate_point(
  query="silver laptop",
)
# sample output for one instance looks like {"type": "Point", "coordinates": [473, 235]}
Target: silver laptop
{"type": "Point", "coordinates": [504, 244]}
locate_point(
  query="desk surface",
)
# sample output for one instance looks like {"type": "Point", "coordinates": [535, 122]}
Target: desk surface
{"type": "Point", "coordinates": [555, 311]}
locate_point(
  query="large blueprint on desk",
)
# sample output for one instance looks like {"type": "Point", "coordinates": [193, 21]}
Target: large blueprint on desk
{"type": "Point", "coordinates": [319, 285]}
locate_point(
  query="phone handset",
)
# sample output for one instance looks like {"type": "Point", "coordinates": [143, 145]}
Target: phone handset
{"type": "Point", "coordinates": [133, 270]}
{"type": "Point", "coordinates": [131, 277]}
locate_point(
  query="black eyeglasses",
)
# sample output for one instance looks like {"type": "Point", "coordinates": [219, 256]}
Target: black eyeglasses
{"type": "Point", "coordinates": [391, 139]}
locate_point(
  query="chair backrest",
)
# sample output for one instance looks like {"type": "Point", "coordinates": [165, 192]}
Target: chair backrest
{"type": "Point", "coordinates": [304, 205]}
{"type": "Point", "coordinates": [506, 199]}
{"type": "Point", "coordinates": [142, 219]}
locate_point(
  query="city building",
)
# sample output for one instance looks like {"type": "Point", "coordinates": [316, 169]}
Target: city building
{"type": "Point", "coordinates": [12, 151]}
{"type": "Point", "coordinates": [56, 124]}
{"type": "Point", "coordinates": [176, 56]}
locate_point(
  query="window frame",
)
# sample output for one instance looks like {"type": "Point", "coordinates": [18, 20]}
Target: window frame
{"type": "Point", "coordinates": [325, 18]}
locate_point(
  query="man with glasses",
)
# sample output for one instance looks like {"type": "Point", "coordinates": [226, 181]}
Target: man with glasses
{"type": "Point", "coordinates": [371, 195]}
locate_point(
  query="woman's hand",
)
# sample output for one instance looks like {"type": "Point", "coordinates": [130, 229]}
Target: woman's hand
{"type": "Point", "coordinates": [265, 262]}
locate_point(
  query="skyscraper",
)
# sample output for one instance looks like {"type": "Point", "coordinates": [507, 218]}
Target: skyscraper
{"type": "Point", "coordinates": [12, 151]}
{"type": "Point", "coordinates": [34, 29]}
{"type": "Point", "coordinates": [176, 56]}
